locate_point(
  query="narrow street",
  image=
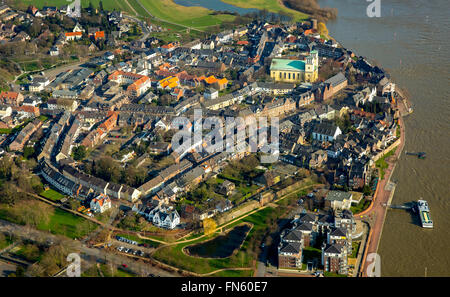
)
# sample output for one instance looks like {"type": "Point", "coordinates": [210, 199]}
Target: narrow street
{"type": "Point", "coordinates": [87, 253]}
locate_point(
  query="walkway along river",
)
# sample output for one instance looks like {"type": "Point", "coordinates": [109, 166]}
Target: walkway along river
{"type": "Point", "coordinates": [410, 40]}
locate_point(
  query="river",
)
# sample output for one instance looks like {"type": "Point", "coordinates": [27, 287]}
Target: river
{"type": "Point", "coordinates": [411, 40]}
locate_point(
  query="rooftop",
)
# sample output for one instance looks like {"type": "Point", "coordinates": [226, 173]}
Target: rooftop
{"type": "Point", "coordinates": [288, 65]}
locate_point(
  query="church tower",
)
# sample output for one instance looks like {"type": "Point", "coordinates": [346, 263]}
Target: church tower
{"type": "Point", "coordinates": [312, 67]}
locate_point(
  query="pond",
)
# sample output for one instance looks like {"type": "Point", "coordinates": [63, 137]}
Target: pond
{"type": "Point", "coordinates": [216, 5]}
{"type": "Point", "coordinates": [219, 5]}
{"type": "Point", "coordinates": [222, 246]}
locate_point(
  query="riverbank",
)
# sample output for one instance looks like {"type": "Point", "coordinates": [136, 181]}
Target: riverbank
{"type": "Point", "coordinates": [375, 215]}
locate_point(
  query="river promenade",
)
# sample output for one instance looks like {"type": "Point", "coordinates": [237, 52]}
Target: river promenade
{"type": "Point", "coordinates": [376, 213]}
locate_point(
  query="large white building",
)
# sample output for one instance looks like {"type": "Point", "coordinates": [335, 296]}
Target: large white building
{"type": "Point", "coordinates": [100, 204]}
{"type": "Point", "coordinates": [163, 217]}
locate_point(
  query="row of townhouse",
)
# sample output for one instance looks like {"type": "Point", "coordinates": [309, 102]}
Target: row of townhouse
{"type": "Point", "coordinates": [67, 143]}
{"type": "Point", "coordinates": [97, 134]}
{"type": "Point", "coordinates": [24, 135]}
{"type": "Point", "coordinates": [100, 186]}
{"type": "Point", "coordinates": [156, 183]}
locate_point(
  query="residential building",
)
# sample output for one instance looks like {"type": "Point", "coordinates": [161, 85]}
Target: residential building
{"type": "Point", "coordinates": [334, 258]}
{"type": "Point", "coordinates": [100, 204]}
{"type": "Point", "coordinates": [338, 200]}
{"type": "Point", "coordinates": [325, 131]}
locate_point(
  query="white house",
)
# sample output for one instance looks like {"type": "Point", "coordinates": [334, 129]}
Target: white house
{"type": "Point", "coordinates": [54, 51]}
{"type": "Point", "coordinates": [78, 28]}
{"type": "Point", "coordinates": [325, 132]}
{"type": "Point", "coordinates": [225, 36]}
{"type": "Point", "coordinates": [164, 217]}
{"type": "Point", "coordinates": [100, 204]}
{"type": "Point", "coordinates": [5, 110]}
{"type": "Point", "coordinates": [211, 94]}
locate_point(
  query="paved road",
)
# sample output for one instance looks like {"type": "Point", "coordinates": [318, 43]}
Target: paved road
{"type": "Point", "coordinates": [143, 25]}
{"type": "Point", "coordinates": [6, 268]}
{"type": "Point", "coordinates": [85, 251]}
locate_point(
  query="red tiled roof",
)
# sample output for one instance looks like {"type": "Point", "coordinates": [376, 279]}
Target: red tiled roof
{"type": "Point", "coordinates": [99, 34]}
{"type": "Point", "coordinates": [74, 34]}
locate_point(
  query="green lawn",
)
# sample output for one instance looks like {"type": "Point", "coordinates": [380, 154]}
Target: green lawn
{"type": "Point", "coordinates": [331, 274]}
{"type": "Point", "coordinates": [310, 253]}
{"type": "Point", "coordinates": [52, 195]}
{"type": "Point", "coordinates": [5, 131]}
{"type": "Point", "coordinates": [362, 205]}
{"type": "Point", "coordinates": [5, 242]}
{"type": "Point", "coordinates": [65, 223]}
{"type": "Point", "coordinates": [43, 118]}
{"type": "Point", "coordinates": [382, 164]}
{"type": "Point", "coordinates": [355, 249]}
{"type": "Point", "coordinates": [30, 66]}
{"type": "Point", "coordinates": [233, 273]}
{"type": "Point", "coordinates": [107, 4]}
{"type": "Point", "coordinates": [197, 17]}
{"type": "Point", "coordinates": [24, 252]}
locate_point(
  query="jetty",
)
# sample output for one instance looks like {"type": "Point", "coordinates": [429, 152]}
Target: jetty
{"type": "Point", "coordinates": [405, 207]}
{"type": "Point", "coordinates": [420, 155]}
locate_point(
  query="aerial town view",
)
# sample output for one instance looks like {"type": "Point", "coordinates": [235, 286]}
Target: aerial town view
{"type": "Point", "coordinates": [224, 138]}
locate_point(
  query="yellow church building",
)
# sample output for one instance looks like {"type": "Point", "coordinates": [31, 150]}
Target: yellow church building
{"type": "Point", "coordinates": [296, 71]}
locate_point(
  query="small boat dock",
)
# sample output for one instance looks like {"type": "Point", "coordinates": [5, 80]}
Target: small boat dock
{"type": "Point", "coordinates": [420, 207]}
{"type": "Point", "coordinates": [420, 155]}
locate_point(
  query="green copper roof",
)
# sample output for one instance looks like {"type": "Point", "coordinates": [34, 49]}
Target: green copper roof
{"type": "Point", "coordinates": [288, 65]}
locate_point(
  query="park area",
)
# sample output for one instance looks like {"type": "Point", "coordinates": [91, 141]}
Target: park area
{"type": "Point", "coordinates": [241, 259]}
{"type": "Point", "coordinates": [47, 218]}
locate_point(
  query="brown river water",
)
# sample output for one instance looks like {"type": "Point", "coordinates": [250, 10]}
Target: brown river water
{"type": "Point", "coordinates": [411, 40]}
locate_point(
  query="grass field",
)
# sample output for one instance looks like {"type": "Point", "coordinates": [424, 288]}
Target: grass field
{"type": "Point", "coordinates": [60, 222]}
{"type": "Point", "coordinates": [107, 4]}
{"type": "Point", "coordinates": [70, 225]}
{"type": "Point", "coordinates": [196, 17]}
{"type": "Point", "coordinates": [52, 195]}
{"type": "Point", "coordinates": [170, 14]}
